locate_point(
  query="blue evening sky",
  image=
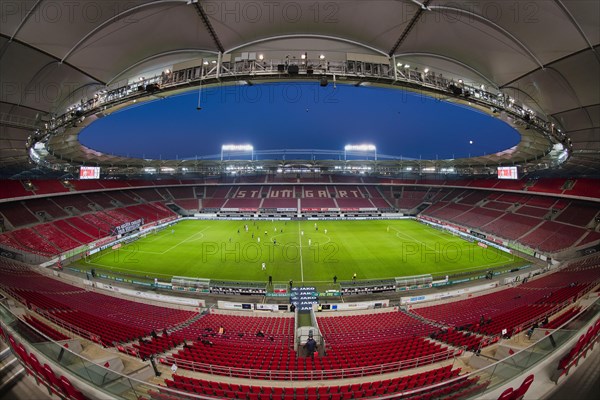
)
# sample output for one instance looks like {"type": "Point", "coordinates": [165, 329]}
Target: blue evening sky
{"type": "Point", "coordinates": [299, 115]}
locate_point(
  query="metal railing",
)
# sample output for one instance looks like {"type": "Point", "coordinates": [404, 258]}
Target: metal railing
{"type": "Point", "coordinates": [323, 374]}
{"type": "Point", "coordinates": [126, 387]}
{"type": "Point", "coordinates": [173, 80]}
{"type": "Point", "coordinates": [68, 326]}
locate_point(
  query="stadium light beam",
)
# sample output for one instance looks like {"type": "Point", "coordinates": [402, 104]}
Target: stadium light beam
{"type": "Point", "coordinates": [360, 148]}
{"type": "Point", "coordinates": [237, 148]}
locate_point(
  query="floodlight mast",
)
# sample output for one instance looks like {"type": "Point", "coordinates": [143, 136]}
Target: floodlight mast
{"type": "Point", "coordinates": [243, 148]}
{"type": "Point", "coordinates": [362, 148]}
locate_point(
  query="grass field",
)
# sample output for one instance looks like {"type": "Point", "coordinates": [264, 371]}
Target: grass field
{"type": "Point", "coordinates": [298, 250]}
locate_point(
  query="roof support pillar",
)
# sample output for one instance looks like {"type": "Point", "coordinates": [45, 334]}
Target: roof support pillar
{"type": "Point", "coordinates": [219, 60]}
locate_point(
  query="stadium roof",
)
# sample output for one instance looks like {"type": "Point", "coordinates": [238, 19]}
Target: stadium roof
{"type": "Point", "coordinates": [545, 53]}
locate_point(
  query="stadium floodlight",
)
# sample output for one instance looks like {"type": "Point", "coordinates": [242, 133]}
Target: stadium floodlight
{"type": "Point", "coordinates": [360, 148]}
{"type": "Point", "coordinates": [237, 149]}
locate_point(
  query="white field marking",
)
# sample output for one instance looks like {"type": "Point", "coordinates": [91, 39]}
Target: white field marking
{"type": "Point", "coordinates": [156, 236]}
{"type": "Point", "coordinates": [433, 231]}
{"type": "Point", "coordinates": [149, 252]}
{"type": "Point", "coordinates": [113, 268]}
{"type": "Point", "coordinates": [414, 240]}
{"type": "Point", "coordinates": [301, 264]}
{"type": "Point", "coordinates": [447, 235]}
{"type": "Point", "coordinates": [315, 243]}
{"type": "Point", "coordinates": [467, 269]}
{"type": "Point", "coordinates": [189, 239]}
{"type": "Point", "coordinates": [505, 256]}
{"type": "Point", "coordinates": [463, 269]}
{"type": "Point", "coordinates": [163, 252]}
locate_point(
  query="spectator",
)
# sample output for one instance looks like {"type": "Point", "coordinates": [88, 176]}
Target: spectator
{"type": "Point", "coordinates": [531, 330]}
{"type": "Point", "coordinates": [221, 330]}
{"type": "Point", "coordinates": [335, 279]}
{"type": "Point", "coordinates": [260, 334]}
{"type": "Point", "coordinates": [293, 308]}
{"type": "Point", "coordinates": [311, 346]}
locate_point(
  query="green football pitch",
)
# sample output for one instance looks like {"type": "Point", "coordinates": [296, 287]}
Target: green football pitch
{"type": "Point", "coordinates": [303, 251]}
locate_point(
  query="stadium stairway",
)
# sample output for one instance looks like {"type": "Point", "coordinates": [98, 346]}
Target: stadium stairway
{"type": "Point", "coordinates": [146, 347]}
{"type": "Point", "coordinates": [424, 320]}
{"type": "Point", "coordinates": [149, 345]}
{"type": "Point", "coordinates": [187, 323]}
{"type": "Point", "coordinates": [448, 336]}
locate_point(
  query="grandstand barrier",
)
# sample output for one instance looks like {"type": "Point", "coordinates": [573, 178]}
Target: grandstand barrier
{"type": "Point", "coordinates": [294, 375]}
{"type": "Point", "coordinates": [192, 302]}
{"type": "Point", "coordinates": [441, 296]}
{"type": "Point", "coordinates": [585, 344]}
{"type": "Point", "coordinates": [367, 286]}
{"type": "Point", "coordinates": [188, 284]}
{"type": "Point", "coordinates": [413, 282]}
{"type": "Point", "coordinates": [462, 232]}
{"type": "Point", "coordinates": [238, 288]}
{"type": "Point", "coordinates": [85, 371]}
{"type": "Point", "coordinates": [329, 307]}
{"type": "Point", "coordinates": [361, 305]}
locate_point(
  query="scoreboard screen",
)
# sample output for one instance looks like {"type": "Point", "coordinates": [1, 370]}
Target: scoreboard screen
{"type": "Point", "coordinates": [89, 173]}
{"type": "Point", "coordinates": [507, 173]}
